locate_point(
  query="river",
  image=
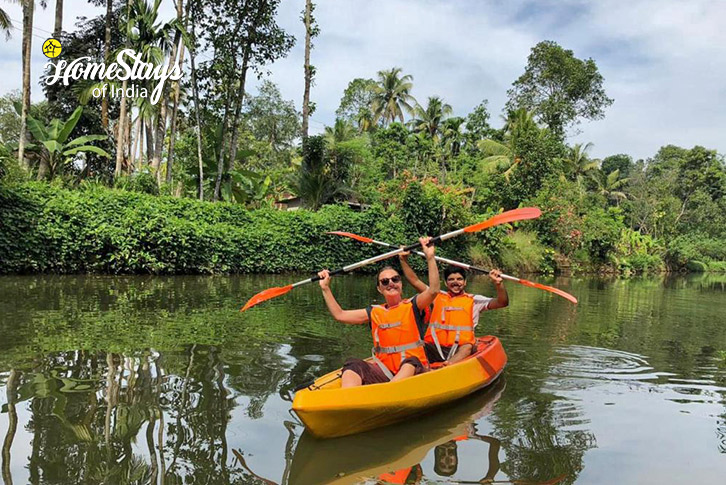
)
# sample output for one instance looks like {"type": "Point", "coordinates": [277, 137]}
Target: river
{"type": "Point", "coordinates": [161, 380]}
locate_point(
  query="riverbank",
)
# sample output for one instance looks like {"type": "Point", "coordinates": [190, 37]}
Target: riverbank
{"type": "Point", "coordinates": [49, 229]}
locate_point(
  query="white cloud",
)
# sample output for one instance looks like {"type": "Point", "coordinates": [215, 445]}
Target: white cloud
{"type": "Point", "coordinates": [663, 60]}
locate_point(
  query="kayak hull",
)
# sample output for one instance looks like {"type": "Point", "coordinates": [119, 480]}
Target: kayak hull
{"type": "Point", "coordinates": [329, 411]}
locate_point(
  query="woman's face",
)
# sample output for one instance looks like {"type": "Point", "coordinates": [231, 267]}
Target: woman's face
{"type": "Point", "coordinates": [389, 283]}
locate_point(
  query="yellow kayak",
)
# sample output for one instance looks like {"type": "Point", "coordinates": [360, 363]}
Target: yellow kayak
{"type": "Point", "coordinates": [329, 411]}
{"type": "Point", "coordinates": [360, 458]}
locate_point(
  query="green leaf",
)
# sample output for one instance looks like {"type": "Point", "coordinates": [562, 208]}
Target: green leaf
{"type": "Point", "coordinates": [85, 139]}
{"type": "Point", "coordinates": [70, 124]}
{"type": "Point", "coordinates": [37, 129]}
{"type": "Point", "coordinates": [52, 146]}
{"type": "Point", "coordinates": [87, 148]}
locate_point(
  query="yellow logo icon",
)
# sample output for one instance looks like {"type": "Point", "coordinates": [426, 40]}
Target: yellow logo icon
{"type": "Point", "coordinates": [52, 48]}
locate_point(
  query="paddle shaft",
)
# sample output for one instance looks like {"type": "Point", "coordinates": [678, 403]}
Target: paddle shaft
{"type": "Point", "coordinates": [381, 257]}
{"type": "Point", "coordinates": [453, 263]}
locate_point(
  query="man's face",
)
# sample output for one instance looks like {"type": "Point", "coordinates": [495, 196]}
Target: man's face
{"type": "Point", "coordinates": [455, 283]}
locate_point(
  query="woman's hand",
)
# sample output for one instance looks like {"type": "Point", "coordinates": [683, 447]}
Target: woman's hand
{"type": "Point", "coordinates": [429, 251]}
{"type": "Point", "coordinates": [404, 255]}
{"type": "Point", "coordinates": [324, 279]}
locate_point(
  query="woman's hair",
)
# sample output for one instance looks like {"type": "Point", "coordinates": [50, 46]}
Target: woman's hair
{"type": "Point", "coordinates": [378, 275]}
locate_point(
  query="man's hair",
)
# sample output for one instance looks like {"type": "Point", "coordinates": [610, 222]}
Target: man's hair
{"type": "Point", "coordinates": [454, 269]}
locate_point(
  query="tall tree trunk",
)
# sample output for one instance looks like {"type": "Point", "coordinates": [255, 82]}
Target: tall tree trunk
{"type": "Point", "coordinates": [28, 6]}
{"type": "Point", "coordinates": [220, 160]}
{"type": "Point", "coordinates": [195, 93]}
{"type": "Point", "coordinates": [177, 91]}
{"type": "Point", "coordinates": [58, 19]}
{"type": "Point", "coordinates": [308, 71]}
{"type": "Point", "coordinates": [251, 30]}
{"type": "Point", "coordinates": [106, 51]}
{"type": "Point", "coordinates": [137, 143]}
{"type": "Point", "coordinates": [122, 116]}
{"type": "Point", "coordinates": [149, 142]}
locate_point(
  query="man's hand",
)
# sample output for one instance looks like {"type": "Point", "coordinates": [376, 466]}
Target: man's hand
{"type": "Point", "coordinates": [324, 279]}
{"type": "Point", "coordinates": [496, 276]}
{"type": "Point", "coordinates": [429, 251]}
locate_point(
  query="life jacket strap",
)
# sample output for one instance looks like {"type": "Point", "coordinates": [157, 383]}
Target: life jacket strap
{"type": "Point", "coordinates": [381, 365]}
{"type": "Point", "coordinates": [451, 327]}
{"type": "Point", "coordinates": [398, 348]}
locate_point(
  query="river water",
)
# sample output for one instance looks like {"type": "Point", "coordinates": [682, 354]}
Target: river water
{"type": "Point", "coordinates": [161, 380]}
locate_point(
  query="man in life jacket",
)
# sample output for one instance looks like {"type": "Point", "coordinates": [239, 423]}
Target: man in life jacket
{"type": "Point", "coordinates": [449, 336]}
{"type": "Point", "coordinates": [396, 326]}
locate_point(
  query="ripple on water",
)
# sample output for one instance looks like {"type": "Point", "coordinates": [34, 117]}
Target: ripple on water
{"type": "Point", "coordinates": [579, 367]}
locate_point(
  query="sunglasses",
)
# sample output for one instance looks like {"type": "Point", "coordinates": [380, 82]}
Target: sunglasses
{"type": "Point", "coordinates": [393, 279]}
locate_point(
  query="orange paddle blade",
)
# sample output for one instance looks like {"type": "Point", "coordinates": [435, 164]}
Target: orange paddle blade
{"type": "Point", "coordinates": [551, 289]}
{"type": "Point", "coordinates": [351, 235]}
{"type": "Point", "coordinates": [505, 217]}
{"type": "Point", "coordinates": [265, 295]}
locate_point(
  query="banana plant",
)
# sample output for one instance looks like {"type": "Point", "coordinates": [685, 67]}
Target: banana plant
{"type": "Point", "coordinates": [53, 147]}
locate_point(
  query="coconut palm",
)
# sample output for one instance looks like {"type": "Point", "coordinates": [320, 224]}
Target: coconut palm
{"type": "Point", "coordinates": [366, 120]}
{"type": "Point", "coordinates": [429, 120]}
{"type": "Point", "coordinates": [453, 135]}
{"type": "Point", "coordinates": [610, 185]}
{"type": "Point", "coordinates": [504, 156]}
{"type": "Point", "coordinates": [341, 131]}
{"type": "Point", "coordinates": [392, 96]}
{"type": "Point", "coordinates": [6, 26]}
{"type": "Point", "coordinates": [579, 162]}
{"type": "Point", "coordinates": [28, 8]}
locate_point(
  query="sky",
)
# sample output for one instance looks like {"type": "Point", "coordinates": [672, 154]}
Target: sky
{"type": "Point", "coordinates": [663, 61]}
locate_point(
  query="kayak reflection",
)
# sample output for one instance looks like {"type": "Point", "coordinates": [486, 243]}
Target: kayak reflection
{"type": "Point", "coordinates": [361, 459]}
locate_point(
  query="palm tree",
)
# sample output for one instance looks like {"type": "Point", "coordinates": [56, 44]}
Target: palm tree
{"type": "Point", "coordinates": [340, 132]}
{"type": "Point", "coordinates": [366, 120]}
{"type": "Point", "coordinates": [505, 156]}
{"type": "Point", "coordinates": [610, 185]}
{"type": "Point", "coordinates": [453, 135]}
{"type": "Point", "coordinates": [6, 26]}
{"type": "Point", "coordinates": [154, 41]}
{"type": "Point", "coordinates": [579, 162]}
{"type": "Point", "coordinates": [429, 120]}
{"type": "Point", "coordinates": [391, 96]}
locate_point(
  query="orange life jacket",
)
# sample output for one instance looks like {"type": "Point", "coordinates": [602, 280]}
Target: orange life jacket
{"type": "Point", "coordinates": [452, 322]}
{"type": "Point", "coordinates": [395, 336]}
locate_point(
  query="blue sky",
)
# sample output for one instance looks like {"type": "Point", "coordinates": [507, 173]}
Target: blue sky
{"type": "Point", "coordinates": [664, 61]}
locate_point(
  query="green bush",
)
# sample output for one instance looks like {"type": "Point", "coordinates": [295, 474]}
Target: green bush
{"type": "Point", "coordinates": [696, 266]}
{"type": "Point", "coordinates": [602, 232]}
{"type": "Point", "coordinates": [694, 247]}
{"type": "Point", "coordinates": [49, 229]}
{"type": "Point", "coordinates": [522, 252]}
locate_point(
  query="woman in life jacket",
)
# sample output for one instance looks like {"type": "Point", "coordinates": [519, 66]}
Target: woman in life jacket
{"type": "Point", "coordinates": [449, 335]}
{"type": "Point", "coordinates": [396, 326]}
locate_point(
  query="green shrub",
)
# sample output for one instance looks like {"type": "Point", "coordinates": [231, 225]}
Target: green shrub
{"type": "Point", "coordinates": [696, 266]}
{"type": "Point", "coordinates": [717, 266]}
{"type": "Point", "coordinates": [521, 252]}
{"type": "Point", "coordinates": [49, 229]}
{"type": "Point", "coordinates": [694, 247]}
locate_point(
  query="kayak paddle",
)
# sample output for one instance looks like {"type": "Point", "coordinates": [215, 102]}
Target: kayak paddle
{"type": "Point", "coordinates": [531, 284]}
{"type": "Point", "coordinates": [523, 213]}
